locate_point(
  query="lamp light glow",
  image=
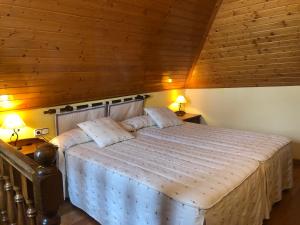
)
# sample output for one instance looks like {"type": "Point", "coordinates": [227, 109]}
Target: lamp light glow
{"type": "Point", "coordinates": [13, 121]}
{"type": "Point", "coordinates": [181, 99]}
{"type": "Point", "coordinates": [5, 102]}
{"type": "Point", "coordinates": [4, 98]}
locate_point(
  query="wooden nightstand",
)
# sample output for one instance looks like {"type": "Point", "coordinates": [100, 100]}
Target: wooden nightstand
{"type": "Point", "coordinates": [28, 146]}
{"type": "Point", "coordinates": [192, 118]}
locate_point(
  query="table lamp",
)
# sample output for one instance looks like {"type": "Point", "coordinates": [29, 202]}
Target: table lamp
{"type": "Point", "coordinates": [13, 122]}
{"type": "Point", "coordinates": [180, 100]}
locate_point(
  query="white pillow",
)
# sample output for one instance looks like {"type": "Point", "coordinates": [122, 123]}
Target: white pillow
{"type": "Point", "coordinates": [137, 123]}
{"type": "Point", "coordinates": [105, 131]}
{"type": "Point", "coordinates": [163, 117]}
{"type": "Point", "coordinates": [70, 138]}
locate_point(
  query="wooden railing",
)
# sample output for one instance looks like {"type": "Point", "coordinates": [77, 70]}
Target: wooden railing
{"type": "Point", "coordinates": [30, 189]}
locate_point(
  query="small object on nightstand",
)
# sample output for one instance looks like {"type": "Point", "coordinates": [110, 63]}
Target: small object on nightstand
{"type": "Point", "coordinates": [180, 101]}
{"type": "Point", "coordinates": [192, 118]}
{"type": "Point", "coordinates": [28, 146]}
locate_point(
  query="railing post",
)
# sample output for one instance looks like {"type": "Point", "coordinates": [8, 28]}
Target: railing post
{"type": "Point", "coordinates": [2, 195]}
{"type": "Point", "coordinates": [11, 209]}
{"type": "Point", "coordinates": [4, 218]}
{"type": "Point", "coordinates": [47, 184]}
{"type": "Point", "coordinates": [19, 200]}
{"type": "Point", "coordinates": [31, 213]}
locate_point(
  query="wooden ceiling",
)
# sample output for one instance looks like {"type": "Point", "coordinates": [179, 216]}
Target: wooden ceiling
{"type": "Point", "coordinates": [251, 43]}
{"type": "Point", "coordinates": [55, 52]}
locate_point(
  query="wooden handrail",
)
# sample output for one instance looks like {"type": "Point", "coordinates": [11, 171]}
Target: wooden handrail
{"type": "Point", "coordinates": [46, 182]}
{"type": "Point", "coordinates": [20, 162]}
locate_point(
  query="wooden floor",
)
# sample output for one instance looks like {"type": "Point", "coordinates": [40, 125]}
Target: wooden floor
{"type": "Point", "coordinates": [285, 212]}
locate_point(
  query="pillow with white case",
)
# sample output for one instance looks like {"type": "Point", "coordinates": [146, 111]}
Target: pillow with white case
{"type": "Point", "coordinates": [136, 123]}
{"type": "Point", "coordinates": [70, 138]}
{"type": "Point", "coordinates": [105, 131]}
{"type": "Point", "coordinates": [163, 117]}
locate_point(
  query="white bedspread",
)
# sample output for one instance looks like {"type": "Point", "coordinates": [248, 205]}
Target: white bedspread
{"type": "Point", "coordinates": [158, 182]}
{"type": "Point", "coordinates": [272, 151]}
{"type": "Point", "coordinates": [256, 146]}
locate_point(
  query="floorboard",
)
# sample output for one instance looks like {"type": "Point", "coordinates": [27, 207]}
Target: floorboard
{"type": "Point", "coordinates": [285, 212]}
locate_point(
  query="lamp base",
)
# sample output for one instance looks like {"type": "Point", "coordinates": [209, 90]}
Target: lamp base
{"type": "Point", "coordinates": [180, 113]}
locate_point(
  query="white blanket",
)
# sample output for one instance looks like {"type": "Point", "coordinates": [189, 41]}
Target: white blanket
{"type": "Point", "coordinates": [158, 182]}
{"type": "Point", "coordinates": [272, 151]}
{"type": "Point", "coordinates": [254, 145]}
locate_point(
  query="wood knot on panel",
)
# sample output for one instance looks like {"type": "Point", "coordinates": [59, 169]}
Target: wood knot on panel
{"type": "Point", "coordinates": [256, 15]}
{"type": "Point", "coordinates": [284, 23]}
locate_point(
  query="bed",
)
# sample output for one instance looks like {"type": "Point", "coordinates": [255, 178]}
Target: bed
{"type": "Point", "coordinates": [150, 181]}
{"type": "Point", "coordinates": [158, 178]}
{"type": "Point", "coordinates": [272, 151]}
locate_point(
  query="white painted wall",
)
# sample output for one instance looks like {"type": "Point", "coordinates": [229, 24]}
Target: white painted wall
{"type": "Point", "coordinates": [264, 109]}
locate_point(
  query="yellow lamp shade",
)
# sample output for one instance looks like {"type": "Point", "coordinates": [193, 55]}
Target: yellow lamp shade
{"type": "Point", "coordinates": [13, 121]}
{"type": "Point", "coordinates": [181, 99]}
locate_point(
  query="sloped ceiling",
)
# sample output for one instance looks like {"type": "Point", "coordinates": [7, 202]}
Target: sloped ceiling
{"type": "Point", "coordinates": [251, 43]}
{"type": "Point", "coordinates": [55, 52]}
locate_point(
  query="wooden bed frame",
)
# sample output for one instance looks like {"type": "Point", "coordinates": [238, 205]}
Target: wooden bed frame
{"type": "Point", "coordinates": [30, 189]}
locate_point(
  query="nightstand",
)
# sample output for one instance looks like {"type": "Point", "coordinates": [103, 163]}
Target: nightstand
{"type": "Point", "coordinates": [28, 146]}
{"type": "Point", "coordinates": [192, 118]}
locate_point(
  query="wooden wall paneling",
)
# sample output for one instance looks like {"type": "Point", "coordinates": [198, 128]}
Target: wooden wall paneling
{"type": "Point", "coordinates": [251, 43]}
{"type": "Point", "coordinates": [60, 52]}
{"type": "Point", "coordinates": [202, 41]}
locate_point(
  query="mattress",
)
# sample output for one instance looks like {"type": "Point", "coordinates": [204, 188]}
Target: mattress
{"type": "Point", "coordinates": [147, 180]}
{"type": "Point", "coordinates": [272, 151]}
